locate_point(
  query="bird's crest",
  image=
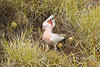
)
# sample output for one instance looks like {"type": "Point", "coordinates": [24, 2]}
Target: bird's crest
{"type": "Point", "coordinates": [50, 21]}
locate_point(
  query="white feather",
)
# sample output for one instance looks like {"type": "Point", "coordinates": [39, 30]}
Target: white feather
{"type": "Point", "coordinates": [56, 38]}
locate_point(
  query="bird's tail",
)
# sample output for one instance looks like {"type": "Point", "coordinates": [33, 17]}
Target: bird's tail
{"type": "Point", "coordinates": [62, 35]}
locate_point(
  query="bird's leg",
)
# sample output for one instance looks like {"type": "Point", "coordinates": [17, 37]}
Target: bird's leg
{"type": "Point", "coordinates": [43, 47]}
{"type": "Point", "coordinates": [47, 47]}
{"type": "Point", "coordinates": [55, 48]}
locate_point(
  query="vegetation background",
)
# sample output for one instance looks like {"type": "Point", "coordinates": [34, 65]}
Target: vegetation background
{"type": "Point", "coordinates": [21, 33]}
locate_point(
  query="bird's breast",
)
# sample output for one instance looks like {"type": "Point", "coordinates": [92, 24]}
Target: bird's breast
{"type": "Point", "coordinates": [46, 37]}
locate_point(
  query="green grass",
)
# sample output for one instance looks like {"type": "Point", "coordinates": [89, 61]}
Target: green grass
{"type": "Point", "coordinates": [23, 46]}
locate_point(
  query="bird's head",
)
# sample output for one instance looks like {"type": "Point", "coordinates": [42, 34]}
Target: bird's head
{"type": "Point", "coordinates": [48, 27]}
{"type": "Point", "coordinates": [48, 23]}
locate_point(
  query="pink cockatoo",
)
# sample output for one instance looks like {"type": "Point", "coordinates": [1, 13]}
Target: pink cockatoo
{"type": "Point", "coordinates": [49, 21]}
{"type": "Point", "coordinates": [50, 38]}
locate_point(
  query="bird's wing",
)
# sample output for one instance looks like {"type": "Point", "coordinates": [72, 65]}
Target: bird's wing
{"type": "Point", "coordinates": [56, 38]}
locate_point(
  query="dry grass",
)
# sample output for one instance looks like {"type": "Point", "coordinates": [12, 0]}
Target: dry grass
{"type": "Point", "coordinates": [21, 46]}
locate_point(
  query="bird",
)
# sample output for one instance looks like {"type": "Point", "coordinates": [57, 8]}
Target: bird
{"type": "Point", "coordinates": [50, 38]}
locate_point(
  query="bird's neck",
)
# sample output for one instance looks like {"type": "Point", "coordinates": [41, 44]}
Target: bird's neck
{"type": "Point", "coordinates": [48, 31]}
